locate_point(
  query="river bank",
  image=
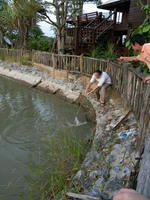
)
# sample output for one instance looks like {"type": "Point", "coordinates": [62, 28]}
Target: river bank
{"type": "Point", "coordinates": [109, 164]}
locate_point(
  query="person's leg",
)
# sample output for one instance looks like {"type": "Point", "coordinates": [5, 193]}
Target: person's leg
{"type": "Point", "coordinates": [103, 93]}
{"type": "Point", "coordinates": [97, 95]}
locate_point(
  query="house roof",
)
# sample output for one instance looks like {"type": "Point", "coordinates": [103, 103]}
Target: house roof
{"type": "Point", "coordinates": [112, 4]}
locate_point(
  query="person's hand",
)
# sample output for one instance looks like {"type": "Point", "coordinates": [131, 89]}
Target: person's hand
{"type": "Point", "coordinates": [121, 58]}
{"type": "Point", "coordinates": [128, 194]}
{"type": "Point", "coordinates": [146, 79]}
{"type": "Point", "coordinates": [86, 92]}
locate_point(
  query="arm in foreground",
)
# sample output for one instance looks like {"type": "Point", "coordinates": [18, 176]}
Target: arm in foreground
{"type": "Point", "coordinates": [128, 194]}
{"type": "Point", "coordinates": [133, 58]}
{"type": "Point", "coordinates": [146, 79]}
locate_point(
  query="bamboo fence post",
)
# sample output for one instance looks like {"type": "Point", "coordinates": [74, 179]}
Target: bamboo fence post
{"type": "Point", "coordinates": [81, 63]}
{"type": "Point", "coordinates": [54, 64]}
{"type": "Point", "coordinates": [32, 57]}
{"type": "Point", "coordinates": [125, 78]}
{"type": "Point", "coordinates": [107, 68]}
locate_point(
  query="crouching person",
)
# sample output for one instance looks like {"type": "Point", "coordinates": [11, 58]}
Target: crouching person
{"type": "Point", "coordinates": [104, 82]}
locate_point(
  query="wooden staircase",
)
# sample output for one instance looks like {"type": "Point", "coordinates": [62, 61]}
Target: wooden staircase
{"type": "Point", "coordinates": [92, 34]}
{"type": "Point", "coordinates": [82, 38]}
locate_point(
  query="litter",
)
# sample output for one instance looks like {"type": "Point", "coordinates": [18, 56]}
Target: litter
{"type": "Point", "coordinates": [125, 135]}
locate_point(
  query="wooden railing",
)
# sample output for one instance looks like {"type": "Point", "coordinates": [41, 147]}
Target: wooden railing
{"type": "Point", "coordinates": [92, 32]}
{"type": "Point", "coordinates": [129, 84]}
{"type": "Point", "coordinates": [125, 80]}
{"type": "Point", "coordinates": [86, 17]}
{"type": "Point", "coordinates": [105, 25]}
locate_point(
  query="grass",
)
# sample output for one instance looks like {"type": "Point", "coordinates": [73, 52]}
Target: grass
{"type": "Point", "coordinates": [23, 61]}
{"type": "Point", "coordinates": [66, 153]}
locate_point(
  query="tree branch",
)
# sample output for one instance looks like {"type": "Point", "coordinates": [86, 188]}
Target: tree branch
{"type": "Point", "coordinates": [141, 3]}
{"type": "Point", "coordinates": [69, 17]}
{"type": "Point", "coordinates": [50, 21]}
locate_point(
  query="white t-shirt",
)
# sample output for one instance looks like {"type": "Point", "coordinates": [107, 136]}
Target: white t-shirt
{"type": "Point", "coordinates": [103, 79]}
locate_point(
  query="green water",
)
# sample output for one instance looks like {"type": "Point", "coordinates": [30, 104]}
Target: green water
{"type": "Point", "coordinates": [28, 119]}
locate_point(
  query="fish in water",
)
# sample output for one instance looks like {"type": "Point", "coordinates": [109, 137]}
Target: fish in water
{"type": "Point", "coordinates": [76, 123]}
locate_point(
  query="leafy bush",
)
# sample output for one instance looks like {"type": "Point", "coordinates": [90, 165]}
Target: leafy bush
{"type": "Point", "coordinates": [26, 57]}
{"type": "Point", "coordinates": [41, 43]}
{"type": "Point", "coordinates": [38, 41]}
{"type": "Point", "coordinates": [103, 51]}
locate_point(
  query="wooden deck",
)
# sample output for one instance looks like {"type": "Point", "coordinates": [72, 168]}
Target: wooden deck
{"type": "Point", "coordinates": [92, 29]}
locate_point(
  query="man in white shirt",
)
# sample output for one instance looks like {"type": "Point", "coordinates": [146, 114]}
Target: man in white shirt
{"type": "Point", "coordinates": [104, 82]}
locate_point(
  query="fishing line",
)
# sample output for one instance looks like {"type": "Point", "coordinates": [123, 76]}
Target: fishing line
{"type": "Point", "coordinates": [76, 120]}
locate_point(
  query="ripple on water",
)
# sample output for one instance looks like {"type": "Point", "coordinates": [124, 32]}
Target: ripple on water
{"type": "Point", "coordinates": [28, 120]}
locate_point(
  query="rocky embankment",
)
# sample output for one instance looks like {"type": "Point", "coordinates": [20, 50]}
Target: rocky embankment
{"type": "Point", "coordinates": [110, 163]}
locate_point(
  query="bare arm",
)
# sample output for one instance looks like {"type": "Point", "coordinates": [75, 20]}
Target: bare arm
{"type": "Point", "coordinates": [133, 58]}
{"type": "Point", "coordinates": [146, 79]}
{"type": "Point", "coordinates": [93, 90]}
{"type": "Point", "coordinates": [87, 88]}
{"type": "Point", "coordinates": [128, 194]}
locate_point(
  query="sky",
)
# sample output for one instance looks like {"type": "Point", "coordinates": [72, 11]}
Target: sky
{"type": "Point", "coordinates": [47, 29]}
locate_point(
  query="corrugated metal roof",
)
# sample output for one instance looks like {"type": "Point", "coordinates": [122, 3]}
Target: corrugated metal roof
{"type": "Point", "coordinates": [110, 1]}
{"type": "Point", "coordinates": [110, 4]}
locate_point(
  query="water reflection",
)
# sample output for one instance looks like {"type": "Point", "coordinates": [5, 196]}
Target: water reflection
{"type": "Point", "coordinates": [28, 120]}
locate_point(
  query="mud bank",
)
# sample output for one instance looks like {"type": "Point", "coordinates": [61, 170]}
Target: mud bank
{"type": "Point", "coordinates": [110, 163]}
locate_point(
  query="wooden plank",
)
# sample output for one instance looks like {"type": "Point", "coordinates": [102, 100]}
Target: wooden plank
{"type": "Point", "coordinates": [122, 121]}
{"type": "Point", "coordinates": [143, 184]}
{"type": "Point", "coordinates": [81, 196]}
{"type": "Point", "coordinates": [144, 118]}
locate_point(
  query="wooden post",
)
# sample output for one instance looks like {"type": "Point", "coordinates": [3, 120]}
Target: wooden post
{"type": "Point", "coordinates": [125, 68]}
{"type": "Point", "coordinates": [54, 64]}
{"type": "Point", "coordinates": [115, 16]}
{"type": "Point", "coordinates": [144, 119]}
{"type": "Point", "coordinates": [93, 38]}
{"type": "Point", "coordinates": [81, 63]}
{"type": "Point", "coordinates": [32, 57]}
{"type": "Point", "coordinates": [76, 40]}
{"type": "Point", "coordinates": [143, 182]}
{"type": "Point", "coordinates": [107, 68]}
{"type": "Point", "coordinates": [7, 51]}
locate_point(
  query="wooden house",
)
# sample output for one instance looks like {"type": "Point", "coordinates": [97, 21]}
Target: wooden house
{"type": "Point", "coordinates": [94, 29]}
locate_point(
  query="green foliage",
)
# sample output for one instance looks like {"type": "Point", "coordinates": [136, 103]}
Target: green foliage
{"type": "Point", "coordinates": [26, 57]}
{"type": "Point", "coordinates": [41, 43]}
{"type": "Point", "coordinates": [17, 18]}
{"type": "Point", "coordinates": [93, 53]}
{"type": "Point", "coordinates": [108, 52]}
{"type": "Point", "coordinates": [36, 32]}
{"type": "Point", "coordinates": [99, 3]}
{"type": "Point", "coordinates": [2, 57]}
{"type": "Point", "coordinates": [102, 51]}
{"type": "Point", "coordinates": [143, 29]}
{"type": "Point", "coordinates": [38, 41]}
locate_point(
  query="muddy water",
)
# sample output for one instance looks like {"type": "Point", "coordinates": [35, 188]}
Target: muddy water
{"type": "Point", "coordinates": [29, 117]}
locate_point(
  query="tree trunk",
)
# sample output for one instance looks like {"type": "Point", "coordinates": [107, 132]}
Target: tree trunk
{"type": "Point", "coordinates": [59, 40]}
{"type": "Point", "coordinates": [25, 39]}
{"type": "Point", "coordinates": [1, 37]}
